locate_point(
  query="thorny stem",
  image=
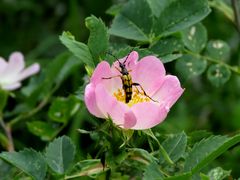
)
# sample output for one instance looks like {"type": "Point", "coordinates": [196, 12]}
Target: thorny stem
{"type": "Point", "coordinates": [7, 130]}
{"type": "Point", "coordinates": [236, 9]}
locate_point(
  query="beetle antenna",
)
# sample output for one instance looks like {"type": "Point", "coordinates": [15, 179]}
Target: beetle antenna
{"type": "Point", "coordinates": [128, 55]}
{"type": "Point", "coordinates": [109, 53]}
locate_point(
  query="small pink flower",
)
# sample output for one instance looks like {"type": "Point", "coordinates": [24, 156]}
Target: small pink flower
{"type": "Point", "coordinates": [13, 72]}
{"type": "Point", "coordinates": [105, 97]}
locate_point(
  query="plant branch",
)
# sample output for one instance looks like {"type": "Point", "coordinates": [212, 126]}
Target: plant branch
{"type": "Point", "coordinates": [212, 60]}
{"type": "Point", "coordinates": [35, 110]}
{"type": "Point", "coordinates": [30, 113]}
{"type": "Point", "coordinates": [7, 130]}
{"type": "Point", "coordinates": [236, 9]}
{"type": "Point", "coordinates": [222, 7]}
{"type": "Point", "coordinates": [162, 150]}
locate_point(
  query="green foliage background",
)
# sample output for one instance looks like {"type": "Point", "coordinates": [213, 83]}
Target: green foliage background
{"type": "Point", "coordinates": [208, 104]}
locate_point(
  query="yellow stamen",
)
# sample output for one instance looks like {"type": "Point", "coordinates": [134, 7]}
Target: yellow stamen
{"type": "Point", "coordinates": [137, 97]}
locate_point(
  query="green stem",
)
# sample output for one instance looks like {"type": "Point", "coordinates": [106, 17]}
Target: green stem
{"type": "Point", "coordinates": [3, 140]}
{"type": "Point", "coordinates": [162, 150]}
{"type": "Point", "coordinates": [30, 113]}
{"type": "Point", "coordinates": [33, 111]}
{"type": "Point", "coordinates": [212, 60]}
{"type": "Point", "coordinates": [89, 171]}
{"type": "Point", "coordinates": [8, 132]}
{"type": "Point", "coordinates": [236, 9]}
{"type": "Point", "coordinates": [222, 7]}
{"type": "Point", "coordinates": [165, 154]}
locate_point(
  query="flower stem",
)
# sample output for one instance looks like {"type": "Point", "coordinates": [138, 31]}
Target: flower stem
{"type": "Point", "coordinates": [162, 150]}
{"type": "Point", "coordinates": [165, 154]}
{"type": "Point", "coordinates": [8, 132]}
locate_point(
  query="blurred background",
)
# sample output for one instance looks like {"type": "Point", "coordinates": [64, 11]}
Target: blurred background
{"type": "Point", "coordinates": [27, 24]}
{"type": "Point", "coordinates": [34, 27]}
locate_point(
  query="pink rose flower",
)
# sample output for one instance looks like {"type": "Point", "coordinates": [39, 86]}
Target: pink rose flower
{"type": "Point", "coordinates": [13, 72]}
{"type": "Point", "coordinates": [105, 98]}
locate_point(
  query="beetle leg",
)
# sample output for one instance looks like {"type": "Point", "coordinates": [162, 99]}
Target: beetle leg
{"type": "Point", "coordinates": [145, 94]}
{"type": "Point", "coordinates": [111, 77]}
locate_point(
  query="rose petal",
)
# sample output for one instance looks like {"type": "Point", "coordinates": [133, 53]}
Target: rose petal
{"type": "Point", "coordinates": [14, 66]}
{"type": "Point", "coordinates": [149, 73]}
{"type": "Point", "coordinates": [130, 62]}
{"type": "Point", "coordinates": [169, 91]}
{"type": "Point", "coordinates": [148, 115]}
{"type": "Point", "coordinates": [3, 65]}
{"type": "Point", "coordinates": [109, 105]}
{"type": "Point", "coordinates": [129, 120]}
{"type": "Point", "coordinates": [11, 86]}
{"type": "Point", "coordinates": [16, 62]}
{"type": "Point", "coordinates": [90, 101]}
{"type": "Point", "coordinates": [31, 70]}
{"type": "Point", "coordinates": [103, 70]}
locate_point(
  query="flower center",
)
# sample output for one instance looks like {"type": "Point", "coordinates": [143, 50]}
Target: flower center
{"type": "Point", "coordinates": [137, 97]}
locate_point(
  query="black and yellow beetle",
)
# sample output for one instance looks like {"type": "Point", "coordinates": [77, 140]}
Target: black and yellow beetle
{"type": "Point", "coordinates": [126, 78]}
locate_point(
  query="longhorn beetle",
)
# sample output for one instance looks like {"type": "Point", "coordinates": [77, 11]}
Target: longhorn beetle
{"type": "Point", "coordinates": [126, 78]}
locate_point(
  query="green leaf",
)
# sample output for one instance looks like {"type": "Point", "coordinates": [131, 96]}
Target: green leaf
{"type": "Point", "coordinates": [141, 155]}
{"type": "Point", "coordinates": [218, 74]}
{"type": "Point", "coordinates": [151, 18]}
{"type": "Point", "coordinates": [218, 174]}
{"type": "Point", "coordinates": [195, 37]}
{"type": "Point", "coordinates": [177, 15]}
{"type": "Point", "coordinates": [98, 39]}
{"type": "Point", "coordinates": [165, 155]}
{"type": "Point", "coordinates": [29, 161]}
{"type": "Point", "coordinates": [135, 24]}
{"type": "Point", "coordinates": [80, 50]}
{"type": "Point", "coordinates": [155, 5]}
{"type": "Point", "coordinates": [90, 167]}
{"type": "Point", "coordinates": [170, 57]}
{"type": "Point", "coordinates": [218, 49]}
{"type": "Point", "coordinates": [114, 9]}
{"type": "Point", "coordinates": [60, 154]}
{"type": "Point", "coordinates": [204, 176]}
{"type": "Point", "coordinates": [175, 146]}
{"type": "Point", "coordinates": [189, 66]}
{"type": "Point", "coordinates": [207, 150]}
{"type": "Point", "coordinates": [196, 136]}
{"type": "Point", "coordinates": [68, 66]}
{"type": "Point", "coordinates": [167, 46]}
{"type": "Point", "coordinates": [55, 72]}
{"type": "Point", "coordinates": [183, 176]}
{"type": "Point", "coordinates": [3, 100]}
{"type": "Point", "coordinates": [44, 130]}
{"type": "Point", "coordinates": [152, 172]}
{"type": "Point", "coordinates": [7, 171]}
{"type": "Point", "coordinates": [62, 109]}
